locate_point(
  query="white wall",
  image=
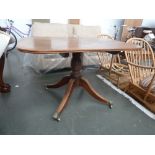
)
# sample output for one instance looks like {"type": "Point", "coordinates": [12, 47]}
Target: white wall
{"type": "Point", "coordinates": [59, 20]}
{"type": "Point", "coordinates": [107, 25]}
{"type": "Point", "coordinates": [149, 23]}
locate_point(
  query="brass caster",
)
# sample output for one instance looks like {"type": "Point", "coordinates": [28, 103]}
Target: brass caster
{"type": "Point", "coordinates": [45, 86]}
{"type": "Point", "coordinates": [56, 116]}
{"type": "Point", "coordinates": [110, 105]}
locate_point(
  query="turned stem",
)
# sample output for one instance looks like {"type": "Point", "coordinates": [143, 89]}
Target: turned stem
{"type": "Point", "coordinates": [76, 65]}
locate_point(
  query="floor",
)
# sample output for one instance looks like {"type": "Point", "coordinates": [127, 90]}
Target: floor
{"type": "Point", "coordinates": [29, 107]}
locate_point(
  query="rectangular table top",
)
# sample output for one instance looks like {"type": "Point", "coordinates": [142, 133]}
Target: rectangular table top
{"type": "Point", "coordinates": [51, 45]}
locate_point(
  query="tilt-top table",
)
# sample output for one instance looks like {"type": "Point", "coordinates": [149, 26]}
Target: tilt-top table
{"type": "Point", "coordinates": [76, 46]}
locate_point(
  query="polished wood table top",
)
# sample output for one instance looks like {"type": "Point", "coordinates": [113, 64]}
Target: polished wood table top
{"type": "Point", "coordinates": [47, 45]}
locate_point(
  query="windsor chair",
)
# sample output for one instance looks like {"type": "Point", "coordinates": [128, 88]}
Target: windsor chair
{"type": "Point", "coordinates": [111, 62]}
{"type": "Point", "coordinates": [141, 64]}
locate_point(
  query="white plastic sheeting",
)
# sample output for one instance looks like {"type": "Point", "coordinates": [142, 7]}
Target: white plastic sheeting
{"type": "Point", "coordinates": [46, 62]}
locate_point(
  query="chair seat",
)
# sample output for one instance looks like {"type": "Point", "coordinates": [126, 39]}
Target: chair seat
{"type": "Point", "coordinates": [144, 83]}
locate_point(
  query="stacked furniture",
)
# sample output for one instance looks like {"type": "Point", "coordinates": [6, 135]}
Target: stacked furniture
{"type": "Point", "coordinates": [139, 33]}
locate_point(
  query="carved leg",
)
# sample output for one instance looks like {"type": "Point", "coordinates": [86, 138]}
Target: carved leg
{"type": "Point", "coordinates": [4, 87]}
{"type": "Point", "coordinates": [65, 99]}
{"type": "Point", "coordinates": [85, 84]}
{"type": "Point", "coordinates": [62, 82]}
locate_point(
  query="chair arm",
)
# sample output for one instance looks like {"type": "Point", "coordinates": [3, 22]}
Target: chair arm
{"type": "Point", "coordinates": [145, 67]}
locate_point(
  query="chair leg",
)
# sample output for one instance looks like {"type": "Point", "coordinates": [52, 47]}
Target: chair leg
{"type": "Point", "coordinates": [126, 88]}
{"type": "Point", "coordinates": [118, 81]}
{"type": "Point", "coordinates": [111, 65]}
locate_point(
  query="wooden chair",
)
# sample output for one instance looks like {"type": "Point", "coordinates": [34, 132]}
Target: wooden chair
{"type": "Point", "coordinates": [142, 68]}
{"type": "Point", "coordinates": [105, 59]}
{"type": "Point", "coordinates": [111, 63]}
